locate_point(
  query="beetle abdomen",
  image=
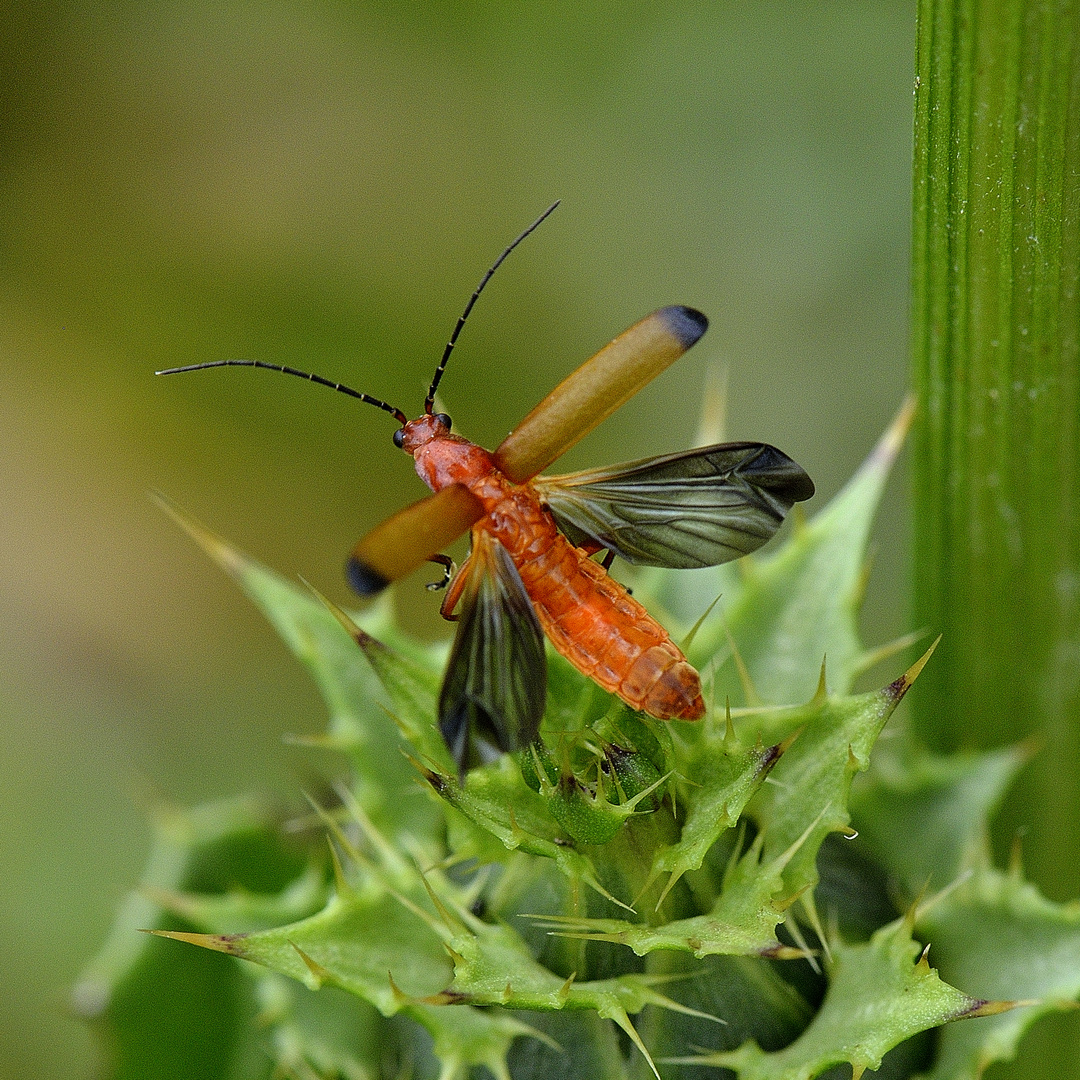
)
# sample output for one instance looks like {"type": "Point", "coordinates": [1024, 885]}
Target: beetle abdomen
{"type": "Point", "coordinates": [607, 635]}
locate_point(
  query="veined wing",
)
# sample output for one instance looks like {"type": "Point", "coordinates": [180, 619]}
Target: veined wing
{"type": "Point", "coordinates": [495, 689]}
{"type": "Point", "coordinates": [696, 508]}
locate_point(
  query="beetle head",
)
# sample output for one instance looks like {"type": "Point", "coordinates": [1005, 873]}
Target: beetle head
{"type": "Point", "coordinates": [415, 433]}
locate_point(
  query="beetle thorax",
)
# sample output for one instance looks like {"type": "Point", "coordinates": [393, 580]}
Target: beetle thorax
{"type": "Point", "coordinates": [442, 458]}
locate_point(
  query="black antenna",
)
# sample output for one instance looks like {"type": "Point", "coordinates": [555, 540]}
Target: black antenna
{"type": "Point", "coordinates": [397, 414]}
{"type": "Point", "coordinates": [430, 401]}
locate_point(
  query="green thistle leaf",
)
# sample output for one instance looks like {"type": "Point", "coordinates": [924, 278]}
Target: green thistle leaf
{"type": "Point", "coordinates": [880, 994]}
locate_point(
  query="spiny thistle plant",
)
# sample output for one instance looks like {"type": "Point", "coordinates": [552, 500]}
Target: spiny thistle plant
{"type": "Point", "coordinates": [776, 890]}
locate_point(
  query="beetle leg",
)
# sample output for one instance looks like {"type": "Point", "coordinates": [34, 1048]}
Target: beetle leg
{"type": "Point", "coordinates": [607, 560]}
{"type": "Point", "coordinates": [453, 593]}
{"type": "Point", "coordinates": [448, 572]}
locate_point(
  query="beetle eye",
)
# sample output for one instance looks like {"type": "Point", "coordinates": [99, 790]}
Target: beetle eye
{"type": "Point", "coordinates": [399, 438]}
{"type": "Point", "coordinates": [444, 420]}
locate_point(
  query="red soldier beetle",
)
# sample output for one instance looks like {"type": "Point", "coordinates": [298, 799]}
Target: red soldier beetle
{"type": "Point", "coordinates": [529, 570]}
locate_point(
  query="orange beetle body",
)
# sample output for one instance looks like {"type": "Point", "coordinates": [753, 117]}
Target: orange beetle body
{"type": "Point", "coordinates": [585, 613]}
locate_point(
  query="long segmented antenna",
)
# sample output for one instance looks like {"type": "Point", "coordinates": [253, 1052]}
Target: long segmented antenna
{"type": "Point", "coordinates": [397, 414]}
{"type": "Point", "coordinates": [430, 400]}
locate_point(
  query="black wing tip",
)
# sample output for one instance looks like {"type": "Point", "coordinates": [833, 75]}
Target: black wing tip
{"type": "Point", "coordinates": [364, 579]}
{"type": "Point", "coordinates": [686, 323]}
{"type": "Point", "coordinates": [803, 488]}
{"type": "Point", "coordinates": [774, 470]}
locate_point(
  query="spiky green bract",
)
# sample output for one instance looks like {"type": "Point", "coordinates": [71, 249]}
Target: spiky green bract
{"type": "Point", "coordinates": [811, 783]}
{"type": "Point", "coordinates": [926, 816]}
{"type": "Point", "coordinates": [879, 994]}
{"type": "Point", "coordinates": [403, 943]}
{"type": "Point", "coordinates": [742, 922]}
{"type": "Point", "coordinates": [720, 778]}
{"type": "Point", "coordinates": [353, 691]}
{"type": "Point", "coordinates": [997, 936]}
{"type": "Point", "coordinates": [807, 801]}
{"type": "Point", "coordinates": [991, 932]}
{"type": "Point", "coordinates": [162, 1011]}
{"type": "Point", "coordinates": [371, 935]}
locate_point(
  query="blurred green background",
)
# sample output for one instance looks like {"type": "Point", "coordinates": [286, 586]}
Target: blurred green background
{"type": "Point", "coordinates": [322, 184]}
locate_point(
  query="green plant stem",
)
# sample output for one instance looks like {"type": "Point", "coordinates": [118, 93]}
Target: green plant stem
{"type": "Point", "coordinates": [996, 266]}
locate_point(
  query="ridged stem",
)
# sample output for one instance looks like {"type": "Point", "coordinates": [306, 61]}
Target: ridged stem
{"type": "Point", "coordinates": [996, 343]}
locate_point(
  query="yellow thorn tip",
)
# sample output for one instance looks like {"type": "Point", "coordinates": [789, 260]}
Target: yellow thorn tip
{"type": "Point", "coordinates": [821, 694]}
{"type": "Point", "coordinates": [884, 454]}
{"type": "Point", "coordinates": [899, 687]}
{"type": "Point", "coordinates": [225, 943]}
{"type": "Point", "coordinates": [319, 974]}
{"type": "Point", "coordinates": [225, 556]}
